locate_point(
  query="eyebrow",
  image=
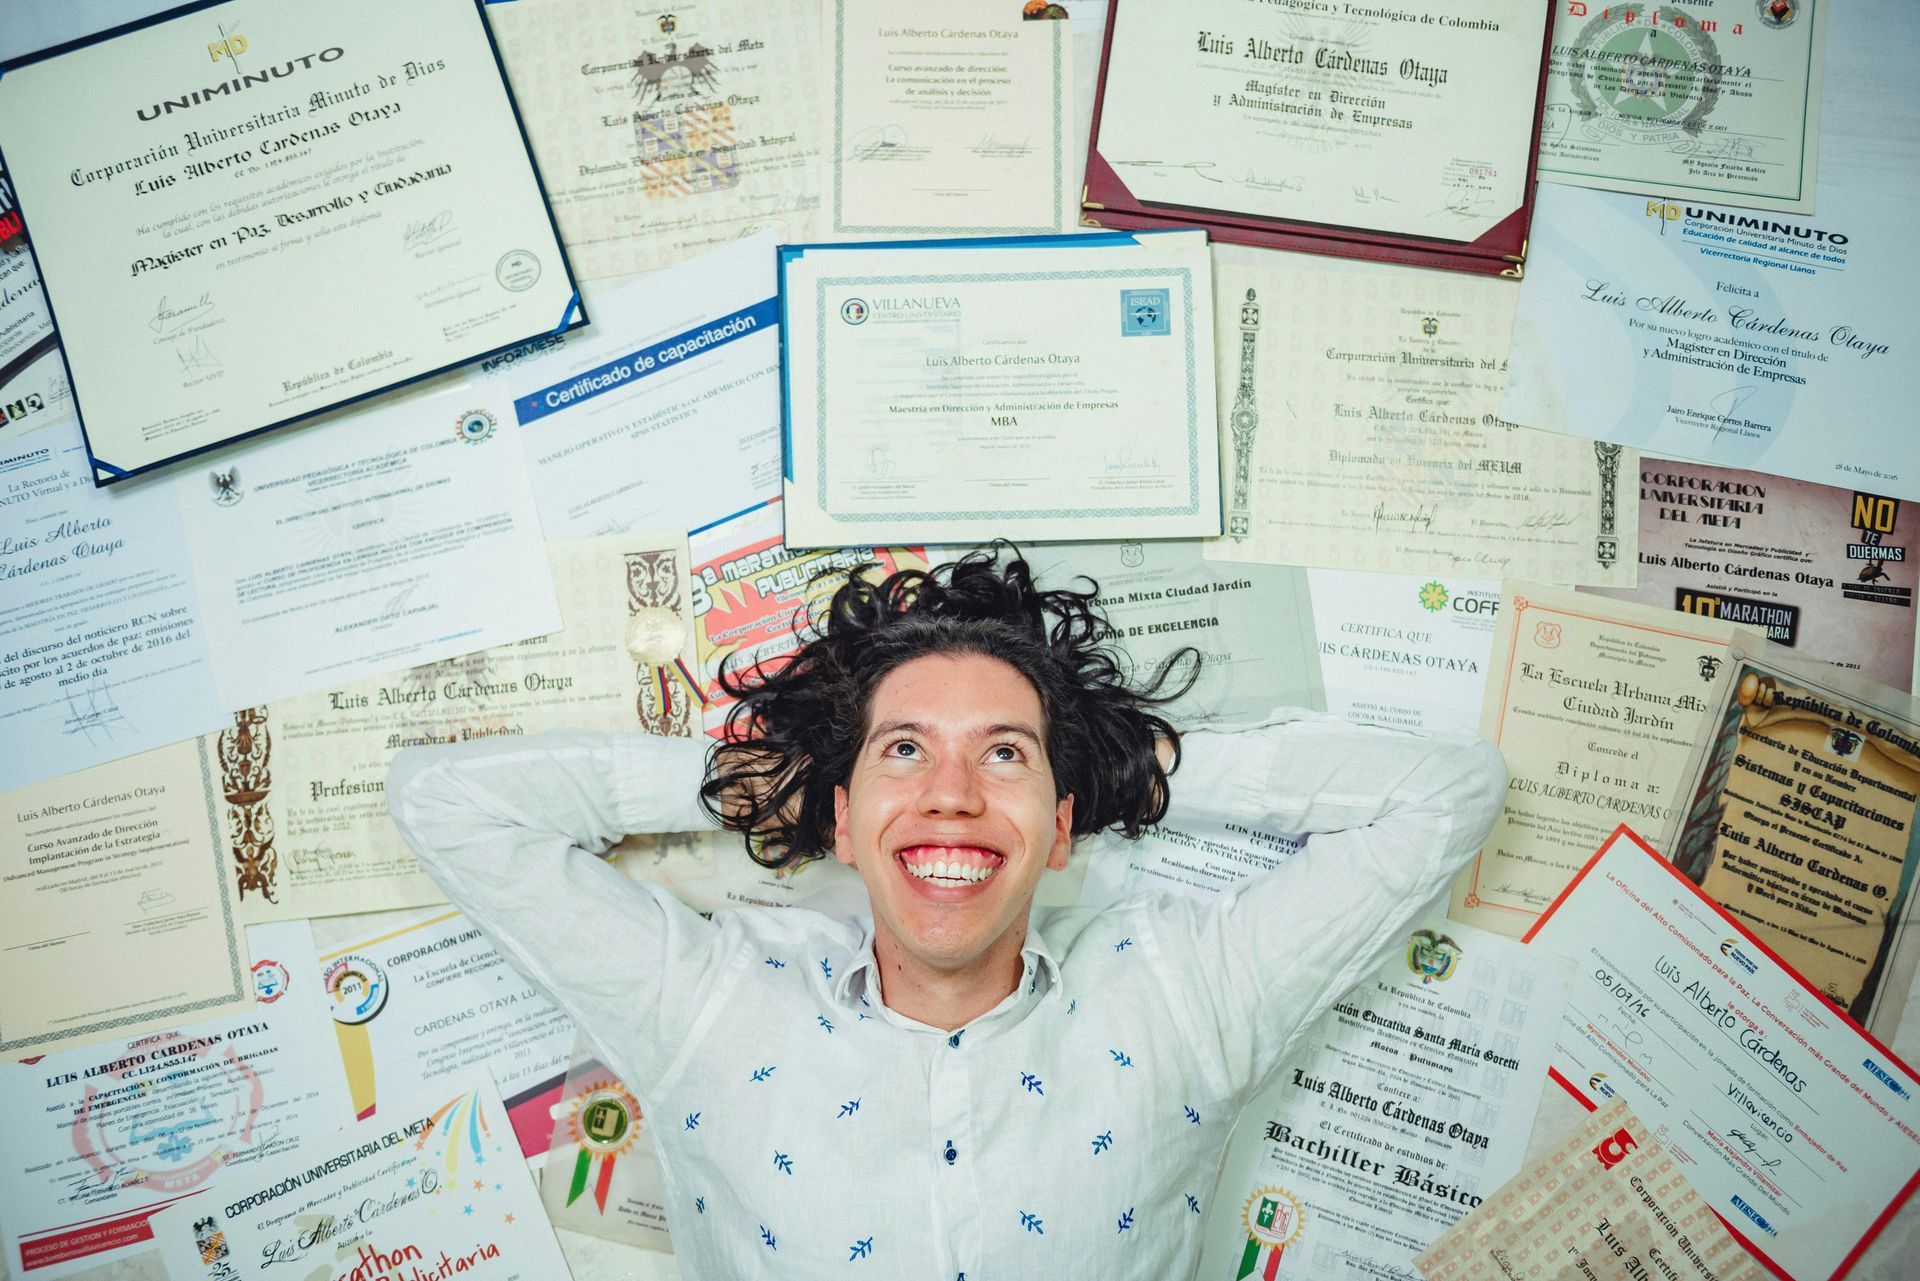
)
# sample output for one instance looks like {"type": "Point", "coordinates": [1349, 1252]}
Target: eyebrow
{"type": "Point", "coordinates": [915, 727]}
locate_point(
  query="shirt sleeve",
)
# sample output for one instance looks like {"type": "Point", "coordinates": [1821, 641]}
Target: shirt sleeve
{"type": "Point", "coordinates": [511, 829]}
{"type": "Point", "coordinates": [1391, 816]}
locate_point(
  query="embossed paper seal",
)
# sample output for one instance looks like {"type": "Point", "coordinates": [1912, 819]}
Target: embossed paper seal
{"type": "Point", "coordinates": [654, 635]}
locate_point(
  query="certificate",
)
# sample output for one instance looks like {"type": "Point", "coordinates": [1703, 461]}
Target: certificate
{"type": "Point", "coordinates": [1404, 650]}
{"type": "Point", "coordinates": [665, 412]}
{"type": "Point", "coordinates": [115, 888]}
{"type": "Point", "coordinates": [602, 1174]}
{"type": "Point", "coordinates": [664, 133]}
{"type": "Point", "coordinates": [209, 164]}
{"type": "Point", "coordinates": [1251, 625]}
{"type": "Point", "coordinates": [418, 1009]}
{"type": "Point", "coordinates": [401, 533]}
{"type": "Point", "coordinates": [99, 1138]}
{"type": "Point", "coordinates": [1052, 389]}
{"type": "Point", "coordinates": [748, 586]}
{"type": "Point", "coordinates": [1362, 435]}
{"type": "Point", "coordinates": [103, 647]}
{"type": "Point", "coordinates": [33, 383]}
{"type": "Point", "coordinates": [1409, 1101]}
{"type": "Point", "coordinates": [1723, 335]}
{"type": "Point", "coordinates": [1193, 859]}
{"type": "Point", "coordinates": [1799, 1130]}
{"type": "Point", "coordinates": [433, 1189]}
{"type": "Point", "coordinates": [958, 126]}
{"type": "Point", "coordinates": [1595, 705]}
{"type": "Point", "coordinates": [1830, 572]}
{"type": "Point", "coordinates": [1799, 818]}
{"type": "Point", "coordinates": [304, 779]}
{"type": "Point", "coordinates": [1608, 1202]}
{"type": "Point", "coordinates": [1376, 131]}
{"type": "Point", "coordinates": [1723, 107]}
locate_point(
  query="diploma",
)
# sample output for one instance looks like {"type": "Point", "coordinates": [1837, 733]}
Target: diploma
{"type": "Point", "coordinates": [1607, 1202]}
{"type": "Point", "coordinates": [434, 1189]}
{"type": "Point", "coordinates": [304, 779]}
{"type": "Point", "coordinates": [1362, 435]}
{"type": "Point", "coordinates": [677, 378]}
{"type": "Point", "coordinates": [1595, 705]}
{"type": "Point", "coordinates": [404, 533]}
{"type": "Point", "coordinates": [1830, 572]}
{"type": "Point", "coordinates": [1799, 817]}
{"type": "Point", "coordinates": [418, 1009]}
{"type": "Point", "coordinates": [103, 646]}
{"type": "Point", "coordinates": [1797, 1128]}
{"type": "Point", "coordinates": [602, 1174]}
{"type": "Point", "coordinates": [100, 1138]}
{"type": "Point", "coordinates": [1193, 860]}
{"type": "Point", "coordinates": [954, 126]}
{"type": "Point", "coordinates": [1058, 389]}
{"type": "Point", "coordinates": [207, 164]}
{"type": "Point", "coordinates": [33, 384]}
{"type": "Point", "coordinates": [116, 884]}
{"type": "Point", "coordinates": [1250, 624]}
{"type": "Point", "coordinates": [1347, 130]}
{"type": "Point", "coordinates": [1723, 107]}
{"type": "Point", "coordinates": [1406, 1104]}
{"type": "Point", "coordinates": [661, 135]}
{"type": "Point", "coordinates": [1723, 335]}
{"type": "Point", "coordinates": [1405, 650]}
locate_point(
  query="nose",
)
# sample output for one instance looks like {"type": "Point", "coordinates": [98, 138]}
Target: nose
{"type": "Point", "coordinates": [952, 787]}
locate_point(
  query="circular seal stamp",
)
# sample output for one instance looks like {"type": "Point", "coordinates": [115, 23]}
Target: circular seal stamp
{"type": "Point", "coordinates": [517, 271]}
{"type": "Point", "coordinates": [654, 635]}
{"type": "Point", "coordinates": [1272, 1216]}
{"type": "Point", "coordinates": [1637, 83]}
{"type": "Point", "coordinates": [357, 986]}
{"type": "Point", "coordinates": [167, 1131]}
{"type": "Point", "coordinates": [854, 311]}
{"type": "Point", "coordinates": [475, 426]}
{"type": "Point", "coordinates": [1778, 13]}
{"type": "Point", "coordinates": [269, 981]}
{"type": "Point", "coordinates": [605, 1118]}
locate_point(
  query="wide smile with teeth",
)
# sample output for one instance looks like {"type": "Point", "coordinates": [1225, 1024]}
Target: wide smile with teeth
{"type": "Point", "coordinates": [950, 865]}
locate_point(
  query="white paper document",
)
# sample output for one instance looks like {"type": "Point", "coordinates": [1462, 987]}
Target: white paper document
{"type": "Point", "coordinates": [33, 382]}
{"type": "Point", "coordinates": [1059, 388]}
{"type": "Point", "coordinates": [1405, 650]}
{"type": "Point", "coordinates": [1745, 339]}
{"type": "Point", "coordinates": [100, 1138]}
{"type": "Point", "coordinates": [958, 127]}
{"type": "Point", "coordinates": [664, 413]}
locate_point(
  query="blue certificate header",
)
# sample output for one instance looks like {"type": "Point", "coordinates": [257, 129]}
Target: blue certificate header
{"type": "Point", "coordinates": [664, 354]}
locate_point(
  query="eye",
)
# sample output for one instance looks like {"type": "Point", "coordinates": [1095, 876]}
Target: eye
{"type": "Point", "coordinates": [1003, 752]}
{"type": "Point", "coordinates": [902, 749]}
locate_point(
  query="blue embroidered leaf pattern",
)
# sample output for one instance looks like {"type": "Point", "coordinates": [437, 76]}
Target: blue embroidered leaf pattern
{"type": "Point", "coordinates": [783, 1163]}
{"type": "Point", "coordinates": [700, 1205]}
{"type": "Point", "coordinates": [1126, 1220]}
{"type": "Point", "coordinates": [861, 1249]}
{"type": "Point", "coordinates": [1033, 1084]}
{"type": "Point", "coordinates": [862, 1014]}
{"type": "Point", "coordinates": [849, 1108]}
{"type": "Point", "coordinates": [822, 1020]}
{"type": "Point", "coordinates": [1073, 1004]}
{"type": "Point", "coordinates": [1192, 1204]}
{"type": "Point", "coordinates": [1193, 1116]}
{"type": "Point", "coordinates": [825, 967]}
{"type": "Point", "coordinates": [1121, 1059]}
{"type": "Point", "coordinates": [1123, 945]}
{"type": "Point", "coordinates": [767, 1237]}
{"type": "Point", "coordinates": [778, 965]}
{"type": "Point", "coordinates": [1031, 1223]}
{"type": "Point", "coordinates": [762, 1073]}
{"type": "Point", "coordinates": [693, 1120]}
{"type": "Point", "coordinates": [1101, 1142]}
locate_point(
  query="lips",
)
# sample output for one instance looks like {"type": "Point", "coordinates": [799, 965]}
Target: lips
{"type": "Point", "coordinates": [949, 867]}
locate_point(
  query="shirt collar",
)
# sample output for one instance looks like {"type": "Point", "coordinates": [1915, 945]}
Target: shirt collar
{"type": "Point", "coordinates": [858, 984]}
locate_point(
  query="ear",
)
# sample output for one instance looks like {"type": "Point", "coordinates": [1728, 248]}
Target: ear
{"type": "Point", "coordinates": [842, 842]}
{"type": "Point", "coordinates": [1062, 833]}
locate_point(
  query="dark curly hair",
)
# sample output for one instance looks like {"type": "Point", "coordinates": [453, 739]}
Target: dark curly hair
{"type": "Point", "coordinates": [794, 733]}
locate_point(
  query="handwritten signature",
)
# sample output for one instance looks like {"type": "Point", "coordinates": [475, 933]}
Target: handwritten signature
{"type": "Point", "coordinates": [196, 357]}
{"type": "Point", "coordinates": [1420, 517]}
{"type": "Point", "coordinates": [1198, 168]}
{"type": "Point", "coordinates": [874, 143]}
{"type": "Point", "coordinates": [94, 713]}
{"type": "Point", "coordinates": [1125, 461]}
{"type": "Point", "coordinates": [425, 232]}
{"type": "Point", "coordinates": [170, 319]}
{"type": "Point", "coordinates": [993, 147]}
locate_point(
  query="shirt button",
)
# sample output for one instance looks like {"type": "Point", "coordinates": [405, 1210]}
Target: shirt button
{"type": "Point", "coordinates": [954, 1040]}
{"type": "Point", "coordinates": [952, 1153]}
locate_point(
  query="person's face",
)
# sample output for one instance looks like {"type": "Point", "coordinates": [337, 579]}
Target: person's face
{"type": "Point", "coordinates": [949, 814]}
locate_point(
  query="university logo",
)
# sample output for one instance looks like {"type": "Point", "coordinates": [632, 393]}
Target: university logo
{"type": "Point", "coordinates": [1612, 1150]}
{"type": "Point", "coordinates": [1546, 635]}
{"type": "Point", "coordinates": [1433, 597]}
{"type": "Point", "coordinates": [475, 426]}
{"type": "Point", "coordinates": [212, 1242]}
{"type": "Point", "coordinates": [227, 46]}
{"type": "Point", "coordinates": [854, 311]}
{"type": "Point", "coordinates": [1432, 956]}
{"type": "Point", "coordinates": [1778, 13]}
{"type": "Point", "coordinates": [1144, 312]}
{"type": "Point", "coordinates": [1132, 555]}
{"type": "Point", "coordinates": [226, 486]}
{"type": "Point", "coordinates": [1273, 1222]}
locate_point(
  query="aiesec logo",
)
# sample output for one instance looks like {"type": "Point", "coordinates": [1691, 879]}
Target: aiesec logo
{"type": "Point", "coordinates": [854, 311]}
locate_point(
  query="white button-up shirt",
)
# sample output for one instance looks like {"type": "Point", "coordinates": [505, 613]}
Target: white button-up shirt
{"type": "Point", "coordinates": [1075, 1130]}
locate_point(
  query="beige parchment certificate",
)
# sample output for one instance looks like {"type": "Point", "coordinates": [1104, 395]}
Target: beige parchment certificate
{"type": "Point", "coordinates": [664, 132]}
{"type": "Point", "coordinates": [119, 916]}
{"type": "Point", "coordinates": [1607, 1203]}
{"type": "Point", "coordinates": [1595, 704]}
{"type": "Point", "coordinates": [1802, 799]}
{"type": "Point", "coordinates": [1362, 435]}
{"type": "Point", "coordinates": [303, 780]}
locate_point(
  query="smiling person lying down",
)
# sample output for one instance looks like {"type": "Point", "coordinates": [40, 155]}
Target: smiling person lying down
{"type": "Point", "coordinates": [954, 1084]}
